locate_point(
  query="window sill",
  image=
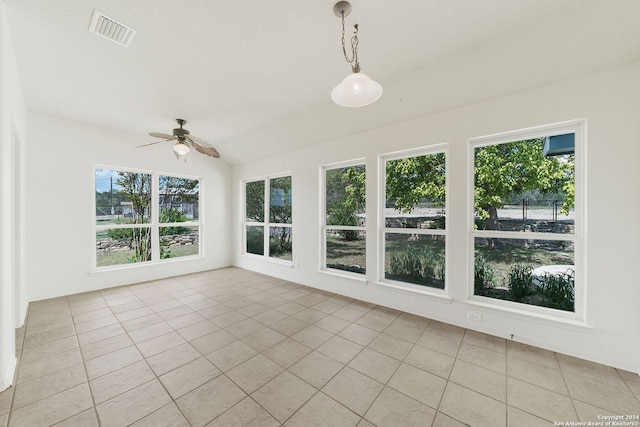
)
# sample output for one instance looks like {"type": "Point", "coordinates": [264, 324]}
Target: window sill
{"type": "Point", "coordinates": [360, 278]}
{"type": "Point", "coordinates": [275, 261]}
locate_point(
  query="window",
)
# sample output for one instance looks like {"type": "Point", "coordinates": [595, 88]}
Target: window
{"type": "Point", "coordinates": [345, 218]}
{"type": "Point", "coordinates": [178, 201]}
{"type": "Point", "coordinates": [268, 218]}
{"type": "Point", "coordinates": [525, 227]}
{"type": "Point", "coordinates": [414, 243]}
{"type": "Point", "coordinates": [129, 229]}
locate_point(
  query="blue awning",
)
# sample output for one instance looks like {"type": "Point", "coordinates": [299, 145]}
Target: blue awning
{"type": "Point", "coordinates": [557, 145]}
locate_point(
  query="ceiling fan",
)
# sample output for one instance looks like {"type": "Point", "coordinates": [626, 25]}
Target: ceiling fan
{"type": "Point", "coordinates": [186, 141]}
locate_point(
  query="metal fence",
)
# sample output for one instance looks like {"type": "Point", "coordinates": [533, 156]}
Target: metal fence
{"type": "Point", "coordinates": [527, 209]}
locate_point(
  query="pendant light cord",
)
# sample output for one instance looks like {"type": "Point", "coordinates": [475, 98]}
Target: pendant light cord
{"type": "Point", "coordinates": [355, 67]}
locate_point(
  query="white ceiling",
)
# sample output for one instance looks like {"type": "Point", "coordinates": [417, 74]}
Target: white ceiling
{"type": "Point", "coordinates": [253, 77]}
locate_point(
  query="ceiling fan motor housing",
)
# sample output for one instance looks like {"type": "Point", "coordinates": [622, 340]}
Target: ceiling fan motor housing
{"type": "Point", "coordinates": [180, 132]}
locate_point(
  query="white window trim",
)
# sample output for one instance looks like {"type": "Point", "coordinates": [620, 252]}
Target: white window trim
{"type": "Point", "coordinates": [267, 224]}
{"type": "Point", "coordinates": [153, 224]}
{"type": "Point", "coordinates": [322, 265]}
{"type": "Point", "coordinates": [578, 317]}
{"type": "Point", "coordinates": [443, 294]}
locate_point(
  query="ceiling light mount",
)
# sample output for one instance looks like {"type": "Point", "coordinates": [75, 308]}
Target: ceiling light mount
{"type": "Point", "coordinates": [357, 89]}
{"type": "Point", "coordinates": [342, 9]}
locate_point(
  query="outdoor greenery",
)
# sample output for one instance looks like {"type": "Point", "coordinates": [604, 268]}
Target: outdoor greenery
{"type": "Point", "coordinates": [551, 290]}
{"type": "Point", "coordinates": [412, 180]}
{"type": "Point", "coordinates": [422, 265]}
{"type": "Point", "coordinates": [346, 199]}
{"type": "Point", "coordinates": [255, 240]}
{"type": "Point", "coordinates": [135, 188]}
{"type": "Point", "coordinates": [280, 212]}
{"type": "Point", "coordinates": [503, 171]}
{"type": "Point", "coordinates": [123, 257]}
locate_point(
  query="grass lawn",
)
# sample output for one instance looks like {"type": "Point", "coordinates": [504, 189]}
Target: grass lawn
{"type": "Point", "coordinates": [104, 259]}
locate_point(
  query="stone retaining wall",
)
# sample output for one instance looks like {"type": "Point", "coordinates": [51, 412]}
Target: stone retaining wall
{"type": "Point", "coordinates": [113, 245]}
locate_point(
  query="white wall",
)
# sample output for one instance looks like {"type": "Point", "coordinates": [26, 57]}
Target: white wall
{"type": "Point", "coordinates": [609, 100]}
{"type": "Point", "coordinates": [12, 128]}
{"type": "Point", "coordinates": [61, 158]}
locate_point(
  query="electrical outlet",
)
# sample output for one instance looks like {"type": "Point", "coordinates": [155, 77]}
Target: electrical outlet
{"type": "Point", "coordinates": [476, 317]}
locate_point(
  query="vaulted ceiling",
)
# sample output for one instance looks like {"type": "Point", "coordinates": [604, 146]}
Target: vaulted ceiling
{"type": "Point", "coordinates": [253, 77]}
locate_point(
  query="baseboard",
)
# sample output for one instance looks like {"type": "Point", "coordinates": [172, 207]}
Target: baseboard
{"type": "Point", "coordinates": [8, 374]}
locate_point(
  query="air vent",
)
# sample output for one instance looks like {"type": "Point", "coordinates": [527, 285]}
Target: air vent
{"type": "Point", "coordinates": [111, 29]}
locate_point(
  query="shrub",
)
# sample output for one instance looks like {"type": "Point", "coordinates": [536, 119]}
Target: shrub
{"type": "Point", "coordinates": [482, 275]}
{"type": "Point", "coordinates": [418, 264]}
{"type": "Point", "coordinates": [172, 215]}
{"type": "Point", "coordinates": [559, 291]}
{"type": "Point", "coordinates": [120, 233]}
{"type": "Point", "coordinates": [255, 240]}
{"type": "Point", "coordinates": [520, 282]}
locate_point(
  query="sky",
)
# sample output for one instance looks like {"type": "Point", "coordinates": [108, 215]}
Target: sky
{"type": "Point", "coordinates": [103, 182]}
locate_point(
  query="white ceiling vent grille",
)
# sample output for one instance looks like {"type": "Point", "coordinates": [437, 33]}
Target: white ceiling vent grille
{"type": "Point", "coordinates": [110, 29]}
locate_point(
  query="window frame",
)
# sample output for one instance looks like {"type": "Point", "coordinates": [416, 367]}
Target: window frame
{"type": "Point", "coordinates": [440, 148]}
{"type": "Point", "coordinates": [578, 127]}
{"type": "Point", "coordinates": [154, 223]}
{"type": "Point", "coordinates": [266, 224]}
{"type": "Point", "coordinates": [324, 227]}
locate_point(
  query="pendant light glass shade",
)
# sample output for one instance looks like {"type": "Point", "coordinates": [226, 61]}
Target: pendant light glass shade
{"type": "Point", "coordinates": [181, 148]}
{"type": "Point", "coordinates": [356, 90]}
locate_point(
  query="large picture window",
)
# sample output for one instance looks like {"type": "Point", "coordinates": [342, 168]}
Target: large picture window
{"type": "Point", "coordinates": [268, 216]}
{"type": "Point", "coordinates": [345, 218]}
{"type": "Point", "coordinates": [414, 212]}
{"type": "Point", "coordinates": [526, 207]}
{"type": "Point", "coordinates": [130, 230]}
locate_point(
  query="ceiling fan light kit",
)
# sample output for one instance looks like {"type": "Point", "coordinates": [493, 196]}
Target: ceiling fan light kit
{"type": "Point", "coordinates": [357, 89]}
{"type": "Point", "coordinates": [181, 148]}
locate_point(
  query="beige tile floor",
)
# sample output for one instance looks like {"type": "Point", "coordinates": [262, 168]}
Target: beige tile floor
{"type": "Point", "coordinates": [235, 348]}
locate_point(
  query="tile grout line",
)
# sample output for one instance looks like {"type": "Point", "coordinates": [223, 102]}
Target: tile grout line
{"type": "Point", "coordinates": [135, 344]}
{"type": "Point", "coordinates": [84, 365]}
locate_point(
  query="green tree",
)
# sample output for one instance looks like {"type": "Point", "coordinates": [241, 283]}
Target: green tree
{"type": "Point", "coordinates": [346, 198]}
{"type": "Point", "coordinates": [254, 201]}
{"type": "Point", "coordinates": [176, 191]}
{"type": "Point", "coordinates": [502, 170]}
{"type": "Point", "coordinates": [280, 212]}
{"type": "Point", "coordinates": [137, 189]}
{"type": "Point", "coordinates": [414, 179]}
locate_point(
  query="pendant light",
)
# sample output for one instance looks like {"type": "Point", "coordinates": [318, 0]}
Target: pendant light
{"type": "Point", "coordinates": [357, 89]}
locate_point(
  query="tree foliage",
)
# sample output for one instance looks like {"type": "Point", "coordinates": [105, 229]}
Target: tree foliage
{"type": "Point", "coordinates": [502, 170]}
{"type": "Point", "coordinates": [176, 191]}
{"type": "Point", "coordinates": [280, 200]}
{"type": "Point", "coordinates": [346, 198]}
{"type": "Point", "coordinates": [414, 179]}
{"type": "Point", "coordinates": [254, 201]}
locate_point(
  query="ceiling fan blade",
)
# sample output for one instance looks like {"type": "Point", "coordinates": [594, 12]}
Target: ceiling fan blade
{"type": "Point", "coordinates": [162, 135]}
{"type": "Point", "coordinates": [197, 140]}
{"type": "Point", "coordinates": [209, 151]}
{"type": "Point", "coordinates": [203, 146]}
{"type": "Point", "coordinates": [153, 143]}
